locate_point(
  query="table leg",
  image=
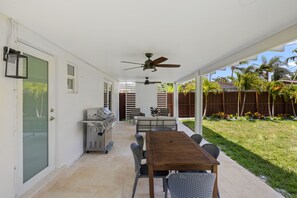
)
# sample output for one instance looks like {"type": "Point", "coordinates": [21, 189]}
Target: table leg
{"type": "Point", "coordinates": [151, 180]}
{"type": "Point", "coordinates": [215, 188]}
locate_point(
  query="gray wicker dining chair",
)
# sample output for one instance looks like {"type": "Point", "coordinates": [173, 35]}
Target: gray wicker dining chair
{"type": "Point", "coordinates": [197, 138]}
{"type": "Point", "coordinates": [140, 141]}
{"type": "Point", "coordinates": [141, 170]}
{"type": "Point", "coordinates": [212, 149]}
{"type": "Point", "coordinates": [185, 185]}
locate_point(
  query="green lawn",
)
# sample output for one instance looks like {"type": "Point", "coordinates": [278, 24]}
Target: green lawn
{"type": "Point", "coordinates": [266, 148]}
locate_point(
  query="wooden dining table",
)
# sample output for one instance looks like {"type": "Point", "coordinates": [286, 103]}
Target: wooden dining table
{"type": "Point", "coordinates": [175, 150]}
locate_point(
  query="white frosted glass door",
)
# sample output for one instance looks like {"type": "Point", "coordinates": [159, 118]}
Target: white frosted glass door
{"type": "Point", "coordinates": [35, 118]}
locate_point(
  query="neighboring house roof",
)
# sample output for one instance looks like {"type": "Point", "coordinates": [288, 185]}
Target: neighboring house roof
{"type": "Point", "coordinates": [227, 86]}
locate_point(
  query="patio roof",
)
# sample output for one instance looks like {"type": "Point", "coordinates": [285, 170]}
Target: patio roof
{"type": "Point", "coordinates": [199, 35]}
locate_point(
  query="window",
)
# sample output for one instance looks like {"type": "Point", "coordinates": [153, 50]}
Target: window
{"type": "Point", "coordinates": [71, 79]}
{"type": "Point", "coordinates": [108, 95]}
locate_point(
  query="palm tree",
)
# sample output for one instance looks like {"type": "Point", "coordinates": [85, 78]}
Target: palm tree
{"type": "Point", "coordinates": [222, 79]}
{"type": "Point", "coordinates": [238, 82]}
{"type": "Point", "coordinates": [274, 89]}
{"type": "Point", "coordinates": [250, 81]}
{"type": "Point", "coordinates": [234, 68]}
{"type": "Point", "coordinates": [188, 87]}
{"type": "Point", "coordinates": [209, 86]}
{"type": "Point", "coordinates": [289, 92]}
{"type": "Point", "coordinates": [268, 66]}
{"type": "Point", "coordinates": [281, 73]}
{"type": "Point", "coordinates": [293, 58]}
{"type": "Point", "coordinates": [244, 82]}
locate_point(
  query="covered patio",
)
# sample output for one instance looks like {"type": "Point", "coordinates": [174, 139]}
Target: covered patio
{"type": "Point", "coordinates": [77, 51]}
{"type": "Point", "coordinates": [99, 175]}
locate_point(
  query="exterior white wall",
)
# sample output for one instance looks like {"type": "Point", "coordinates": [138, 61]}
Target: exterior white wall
{"type": "Point", "coordinates": [68, 111]}
{"type": "Point", "coordinates": [6, 121]}
{"type": "Point", "coordinates": [146, 97]}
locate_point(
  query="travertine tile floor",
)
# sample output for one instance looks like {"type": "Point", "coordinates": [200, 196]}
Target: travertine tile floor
{"type": "Point", "coordinates": [97, 175]}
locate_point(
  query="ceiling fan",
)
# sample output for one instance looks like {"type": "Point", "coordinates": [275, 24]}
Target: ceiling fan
{"type": "Point", "coordinates": [147, 82]}
{"type": "Point", "coordinates": [152, 64]}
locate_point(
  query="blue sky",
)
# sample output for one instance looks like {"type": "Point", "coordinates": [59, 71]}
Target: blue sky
{"type": "Point", "coordinates": [268, 54]}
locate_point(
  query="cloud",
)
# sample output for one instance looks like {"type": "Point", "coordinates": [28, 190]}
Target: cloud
{"type": "Point", "coordinates": [292, 64]}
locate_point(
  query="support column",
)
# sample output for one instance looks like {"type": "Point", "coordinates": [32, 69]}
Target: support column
{"type": "Point", "coordinates": [198, 103]}
{"type": "Point", "coordinates": [175, 100]}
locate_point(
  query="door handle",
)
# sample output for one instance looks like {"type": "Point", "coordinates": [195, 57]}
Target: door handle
{"type": "Point", "coordinates": [52, 118]}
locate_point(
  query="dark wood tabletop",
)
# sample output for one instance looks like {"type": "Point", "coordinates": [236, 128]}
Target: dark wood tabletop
{"type": "Point", "coordinates": [175, 150]}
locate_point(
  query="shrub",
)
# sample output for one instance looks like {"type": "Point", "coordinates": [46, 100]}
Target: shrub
{"type": "Point", "coordinates": [284, 116]}
{"type": "Point", "coordinates": [256, 115]}
{"type": "Point", "coordinates": [222, 115]}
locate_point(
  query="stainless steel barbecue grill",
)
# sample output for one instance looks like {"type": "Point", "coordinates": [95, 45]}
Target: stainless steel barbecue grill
{"type": "Point", "coordinates": [99, 123]}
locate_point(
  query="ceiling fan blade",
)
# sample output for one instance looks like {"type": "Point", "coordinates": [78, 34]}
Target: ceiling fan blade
{"type": "Point", "coordinates": [132, 63]}
{"type": "Point", "coordinates": [167, 65]}
{"type": "Point", "coordinates": [133, 68]}
{"type": "Point", "coordinates": [159, 60]}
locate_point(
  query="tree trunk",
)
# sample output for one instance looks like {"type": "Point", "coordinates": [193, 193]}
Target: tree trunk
{"type": "Point", "coordinates": [243, 103]}
{"type": "Point", "coordinates": [293, 107]}
{"type": "Point", "coordinates": [267, 75]}
{"type": "Point", "coordinates": [272, 113]}
{"type": "Point", "coordinates": [268, 104]}
{"type": "Point", "coordinates": [205, 106]}
{"type": "Point", "coordinates": [238, 102]}
{"type": "Point", "coordinates": [223, 101]}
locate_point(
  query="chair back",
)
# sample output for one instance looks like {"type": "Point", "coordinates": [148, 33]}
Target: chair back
{"type": "Point", "coordinates": [162, 128]}
{"type": "Point", "coordinates": [139, 140]}
{"type": "Point", "coordinates": [134, 112]}
{"type": "Point", "coordinates": [197, 138]}
{"type": "Point", "coordinates": [198, 185]}
{"type": "Point", "coordinates": [212, 149]}
{"type": "Point", "coordinates": [137, 154]}
{"type": "Point", "coordinates": [164, 112]}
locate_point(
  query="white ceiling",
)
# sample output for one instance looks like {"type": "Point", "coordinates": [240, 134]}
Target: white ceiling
{"type": "Point", "coordinates": [193, 33]}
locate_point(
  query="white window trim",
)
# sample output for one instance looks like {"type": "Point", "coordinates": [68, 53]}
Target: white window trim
{"type": "Point", "coordinates": [74, 78]}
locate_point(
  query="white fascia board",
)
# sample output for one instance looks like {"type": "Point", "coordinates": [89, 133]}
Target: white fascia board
{"type": "Point", "coordinates": [280, 38]}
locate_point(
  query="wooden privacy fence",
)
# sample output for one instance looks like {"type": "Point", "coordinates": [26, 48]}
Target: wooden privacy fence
{"type": "Point", "coordinates": [225, 102]}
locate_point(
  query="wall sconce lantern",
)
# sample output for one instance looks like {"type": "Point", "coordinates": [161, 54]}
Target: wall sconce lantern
{"type": "Point", "coordinates": [16, 64]}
